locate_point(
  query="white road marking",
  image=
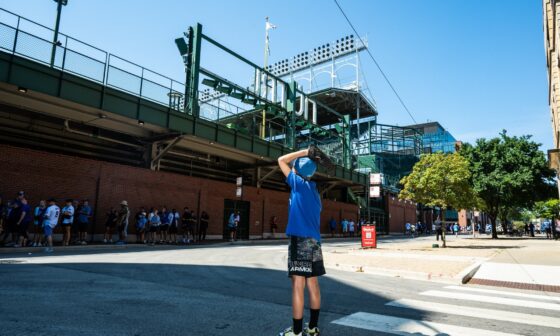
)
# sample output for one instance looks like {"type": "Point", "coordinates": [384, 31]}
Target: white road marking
{"type": "Point", "coordinates": [490, 314]}
{"type": "Point", "coordinates": [493, 291]}
{"type": "Point", "coordinates": [493, 299]}
{"type": "Point", "coordinates": [407, 327]}
{"type": "Point", "coordinates": [272, 248]}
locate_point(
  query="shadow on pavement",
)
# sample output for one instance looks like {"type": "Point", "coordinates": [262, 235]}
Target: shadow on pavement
{"type": "Point", "coordinates": [481, 247]}
{"type": "Point", "coordinates": [167, 299]}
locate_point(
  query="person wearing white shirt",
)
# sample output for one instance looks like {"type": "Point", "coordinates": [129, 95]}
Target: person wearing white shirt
{"type": "Point", "coordinates": [50, 221]}
{"type": "Point", "coordinates": [67, 220]}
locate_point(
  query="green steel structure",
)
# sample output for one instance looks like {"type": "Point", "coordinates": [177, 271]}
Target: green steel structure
{"type": "Point", "coordinates": [91, 103]}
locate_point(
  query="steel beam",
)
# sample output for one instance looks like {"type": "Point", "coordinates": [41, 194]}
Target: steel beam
{"type": "Point", "coordinates": [267, 175]}
{"type": "Point", "coordinates": [195, 44]}
{"type": "Point", "coordinates": [155, 161]}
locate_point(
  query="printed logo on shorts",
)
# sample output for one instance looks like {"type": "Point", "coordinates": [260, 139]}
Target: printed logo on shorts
{"type": "Point", "coordinates": [300, 266]}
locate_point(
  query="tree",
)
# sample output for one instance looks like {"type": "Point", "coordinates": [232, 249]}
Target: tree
{"type": "Point", "coordinates": [507, 172]}
{"type": "Point", "coordinates": [441, 180]}
{"type": "Point", "coordinates": [549, 209]}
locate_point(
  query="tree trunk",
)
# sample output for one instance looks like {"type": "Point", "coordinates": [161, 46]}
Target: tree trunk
{"type": "Point", "coordinates": [443, 227]}
{"type": "Point", "coordinates": [494, 232]}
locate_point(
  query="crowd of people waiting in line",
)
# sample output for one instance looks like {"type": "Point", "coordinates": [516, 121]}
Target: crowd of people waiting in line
{"type": "Point", "coordinates": [437, 227]}
{"type": "Point", "coordinates": [18, 219]}
{"type": "Point", "coordinates": [349, 228]}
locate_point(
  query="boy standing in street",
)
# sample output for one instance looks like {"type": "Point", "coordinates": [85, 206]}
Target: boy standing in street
{"type": "Point", "coordinates": [305, 258]}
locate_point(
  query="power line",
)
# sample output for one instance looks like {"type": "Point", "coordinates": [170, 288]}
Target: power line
{"type": "Point", "coordinates": [375, 61]}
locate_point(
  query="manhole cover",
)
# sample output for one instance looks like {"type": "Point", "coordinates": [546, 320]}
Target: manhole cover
{"type": "Point", "coordinates": [7, 261]}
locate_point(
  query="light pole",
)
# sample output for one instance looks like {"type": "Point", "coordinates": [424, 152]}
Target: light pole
{"type": "Point", "coordinates": [268, 26]}
{"type": "Point", "coordinates": [60, 3]}
{"type": "Point", "coordinates": [554, 163]}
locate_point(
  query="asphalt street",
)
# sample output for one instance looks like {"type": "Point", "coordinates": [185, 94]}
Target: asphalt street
{"type": "Point", "coordinates": [242, 289]}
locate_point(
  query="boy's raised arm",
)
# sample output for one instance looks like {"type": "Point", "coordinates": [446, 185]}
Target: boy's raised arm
{"type": "Point", "coordinates": [284, 160]}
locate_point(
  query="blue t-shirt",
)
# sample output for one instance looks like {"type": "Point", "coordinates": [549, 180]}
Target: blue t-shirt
{"type": "Point", "coordinates": [231, 220]}
{"type": "Point", "coordinates": [28, 214]}
{"type": "Point", "coordinates": [85, 212]}
{"type": "Point", "coordinates": [165, 218]}
{"type": "Point", "coordinates": [305, 208]}
{"type": "Point", "coordinates": [39, 214]}
{"type": "Point", "coordinates": [332, 224]}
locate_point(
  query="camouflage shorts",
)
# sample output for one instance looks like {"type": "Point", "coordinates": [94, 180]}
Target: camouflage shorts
{"type": "Point", "coordinates": [305, 257]}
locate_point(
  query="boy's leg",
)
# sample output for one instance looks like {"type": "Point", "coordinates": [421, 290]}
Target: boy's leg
{"type": "Point", "coordinates": [298, 287]}
{"type": "Point", "coordinates": [314, 301]}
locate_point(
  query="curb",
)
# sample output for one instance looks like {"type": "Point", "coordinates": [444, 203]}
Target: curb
{"type": "Point", "coordinates": [468, 273]}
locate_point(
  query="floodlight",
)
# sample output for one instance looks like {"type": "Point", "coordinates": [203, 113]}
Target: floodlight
{"type": "Point", "coordinates": [182, 46]}
{"type": "Point", "coordinates": [224, 89]}
{"type": "Point", "coordinates": [210, 82]}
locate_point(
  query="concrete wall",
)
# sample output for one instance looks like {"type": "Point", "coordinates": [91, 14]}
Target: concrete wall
{"type": "Point", "coordinates": [43, 175]}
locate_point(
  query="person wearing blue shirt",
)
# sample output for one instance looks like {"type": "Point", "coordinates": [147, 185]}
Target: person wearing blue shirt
{"type": "Point", "coordinates": [154, 222]}
{"type": "Point", "coordinates": [84, 214]}
{"type": "Point", "coordinates": [25, 217]}
{"type": "Point", "coordinates": [305, 259]}
{"type": "Point", "coordinates": [141, 221]}
{"type": "Point", "coordinates": [332, 226]}
{"type": "Point", "coordinates": [164, 227]}
{"type": "Point", "coordinates": [38, 217]}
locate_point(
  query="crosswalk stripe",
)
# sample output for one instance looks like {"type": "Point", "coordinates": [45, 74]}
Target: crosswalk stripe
{"type": "Point", "coordinates": [407, 327]}
{"type": "Point", "coordinates": [493, 299]}
{"type": "Point", "coordinates": [490, 314]}
{"type": "Point", "coordinates": [273, 248]}
{"type": "Point", "coordinates": [492, 291]}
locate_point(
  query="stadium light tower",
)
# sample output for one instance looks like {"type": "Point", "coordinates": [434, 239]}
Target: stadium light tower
{"type": "Point", "coordinates": [60, 3]}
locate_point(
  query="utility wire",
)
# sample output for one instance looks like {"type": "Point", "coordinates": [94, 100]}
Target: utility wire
{"type": "Point", "coordinates": [375, 61]}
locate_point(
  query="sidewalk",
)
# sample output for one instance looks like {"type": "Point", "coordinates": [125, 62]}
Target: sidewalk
{"type": "Point", "coordinates": [535, 267]}
{"type": "Point", "coordinates": [507, 262]}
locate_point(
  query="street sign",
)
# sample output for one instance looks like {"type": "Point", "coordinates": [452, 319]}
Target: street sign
{"type": "Point", "coordinates": [369, 238]}
{"type": "Point", "coordinates": [375, 179]}
{"type": "Point", "coordinates": [239, 181]}
{"type": "Point", "coordinates": [239, 191]}
{"type": "Point", "coordinates": [375, 192]}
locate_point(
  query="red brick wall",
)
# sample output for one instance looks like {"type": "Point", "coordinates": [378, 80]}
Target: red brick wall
{"type": "Point", "coordinates": [43, 175]}
{"type": "Point", "coordinates": [400, 212]}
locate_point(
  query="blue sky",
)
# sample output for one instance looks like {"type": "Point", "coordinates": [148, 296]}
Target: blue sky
{"type": "Point", "coordinates": [475, 66]}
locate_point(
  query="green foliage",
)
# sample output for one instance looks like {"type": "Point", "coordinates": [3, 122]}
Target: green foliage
{"type": "Point", "coordinates": [549, 209]}
{"type": "Point", "coordinates": [441, 180]}
{"type": "Point", "coordinates": [519, 225]}
{"type": "Point", "coordinates": [508, 172]}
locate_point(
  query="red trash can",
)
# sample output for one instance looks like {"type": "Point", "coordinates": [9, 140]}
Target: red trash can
{"type": "Point", "coordinates": [369, 239]}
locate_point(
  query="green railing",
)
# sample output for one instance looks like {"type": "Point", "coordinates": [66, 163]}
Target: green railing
{"type": "Point", "coordinates": [31, 40]}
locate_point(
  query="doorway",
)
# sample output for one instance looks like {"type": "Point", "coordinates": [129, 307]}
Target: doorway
{"type": "Point", "coordinates": [243, 207]}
